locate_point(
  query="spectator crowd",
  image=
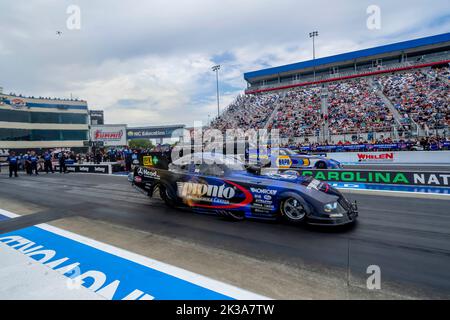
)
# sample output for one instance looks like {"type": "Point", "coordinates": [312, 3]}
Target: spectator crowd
{"type": "Point", "coordinates": [419, 96]}
{"type": "Point", "coordinates": [352, 106]}
{"type": "Point", "coordinates": [430, 143]}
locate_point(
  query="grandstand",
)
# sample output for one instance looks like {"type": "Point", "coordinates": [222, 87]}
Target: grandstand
{"type": "Point", "coordinates": [397, 90]}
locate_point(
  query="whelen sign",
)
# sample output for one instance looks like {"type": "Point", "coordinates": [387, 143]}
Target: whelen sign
{"type": "Point", "coordinates": [419, 158]}
{"type": "Point", "coordinates": [110, 135]}
{"type": "Point", "coordinates": [367, 157]}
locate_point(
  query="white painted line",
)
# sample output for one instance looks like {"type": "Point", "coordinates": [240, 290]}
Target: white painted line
{"type": "Point", "coordinates": [188, 276]}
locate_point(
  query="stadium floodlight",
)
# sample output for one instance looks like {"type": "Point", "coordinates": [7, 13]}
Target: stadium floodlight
{"type": "Point", "coordinates": [216, 69]}
{"type": "Point", "coordinates": [313, 35]}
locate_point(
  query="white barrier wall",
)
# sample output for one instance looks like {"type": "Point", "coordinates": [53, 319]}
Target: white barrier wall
{"type": "Point", "coordinates": [393, 157]}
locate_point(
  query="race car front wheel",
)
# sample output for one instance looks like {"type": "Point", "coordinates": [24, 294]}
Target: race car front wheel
{"type": "Point", "coordinates": [293, 210]}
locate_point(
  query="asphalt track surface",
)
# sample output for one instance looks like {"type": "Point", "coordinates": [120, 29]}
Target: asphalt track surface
{"type": "Point", "coordinates": [407, 237]}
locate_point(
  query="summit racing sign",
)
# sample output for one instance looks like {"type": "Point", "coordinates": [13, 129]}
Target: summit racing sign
{"type": "Point", "coordinates": [228, 195]}
{"type": "Point", "coordinates": [110, 135]}
{"type": "Point", "coordinates": [100, 135]}
{"type": "Point", "coordinates": [441, 179]}
{"type": "Point", "coordinates": [18, 103]}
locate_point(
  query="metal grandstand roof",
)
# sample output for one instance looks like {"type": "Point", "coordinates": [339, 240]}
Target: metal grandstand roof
{"type": "Point", "coordinates": [432, 40]}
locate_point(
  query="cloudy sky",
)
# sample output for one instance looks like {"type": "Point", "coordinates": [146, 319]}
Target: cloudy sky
{"type": "Point", "coordinates": [148, 62]}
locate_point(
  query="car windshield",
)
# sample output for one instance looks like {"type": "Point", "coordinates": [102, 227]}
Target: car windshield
{"type": "Point", "coordinates": [231, 162]}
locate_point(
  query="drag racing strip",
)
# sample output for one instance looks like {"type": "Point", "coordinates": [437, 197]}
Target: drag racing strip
{"type": "Point", "coordinates": [407, 237]}
{"type": "Point", "coordinates": [110, 272]}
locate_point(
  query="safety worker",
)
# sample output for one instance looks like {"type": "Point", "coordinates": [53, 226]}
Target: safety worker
{"type": "Point", "coordinates": [27, 162]}
{"type": "Point", "coordinates": [13, 161]}
{"type": "Point", "coordinates": [48, 162]}
{"type": "Point", "coordinates": [98, 157]}
{"type": "Point", "coordinates": [34, 162]}
{"type": "Point", "coordinates": [62, 162]}
{"type": "Point", "coordinates": [127, 154]}
{"type": "Point", "coordinates": [112, 155]}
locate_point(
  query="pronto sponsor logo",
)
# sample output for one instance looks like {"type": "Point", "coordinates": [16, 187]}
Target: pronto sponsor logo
{"type": "Point", "coordinates": [186, 189]}
{"type": "Point", "coordinates": [216, 196]}
{"type": "Point", "coordinates": [376, 157]}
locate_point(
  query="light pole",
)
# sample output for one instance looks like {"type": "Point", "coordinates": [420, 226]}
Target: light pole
{"type": "Point", "coordinates": [216, 69]}
{"type": "Point", "coordinates": [313, 35]}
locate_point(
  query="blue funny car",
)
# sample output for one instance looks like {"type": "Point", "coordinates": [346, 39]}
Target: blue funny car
{"type": "Point", "coordinates": [223, 185]}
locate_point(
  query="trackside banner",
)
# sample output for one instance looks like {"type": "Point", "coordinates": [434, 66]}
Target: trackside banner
{"type": "Point", "coordinates": [99, 168]}
{"type": "Point", "coordinates": [392, 157]}
{"type": "Point", "coordinates": [440, 179]}
{"type": "Point", "coordinates": [110, 135]}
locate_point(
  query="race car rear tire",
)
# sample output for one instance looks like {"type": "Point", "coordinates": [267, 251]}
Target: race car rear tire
{"type": "Point", "coordinates": [293, 209]}
{"type": "Point", "coordinates": [166, 197]}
